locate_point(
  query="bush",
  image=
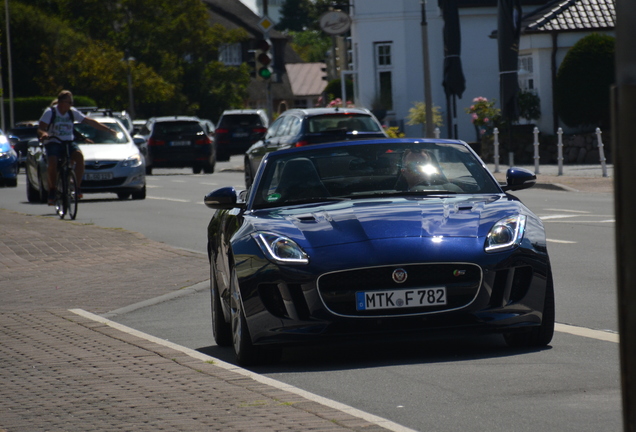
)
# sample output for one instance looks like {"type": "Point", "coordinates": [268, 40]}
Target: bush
{"type": "Point", "coordinates": [582, 87]}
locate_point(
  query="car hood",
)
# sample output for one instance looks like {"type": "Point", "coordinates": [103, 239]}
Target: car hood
{"type": "Point", "coordinates": [114, 152]}
{"type": "Point", "coordinates": [363, 220]}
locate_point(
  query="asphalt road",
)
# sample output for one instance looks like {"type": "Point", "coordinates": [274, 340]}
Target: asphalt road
{"type": "Point", "coordinates": [470, 385]}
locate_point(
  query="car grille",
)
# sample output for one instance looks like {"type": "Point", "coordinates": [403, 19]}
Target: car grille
{"type": "Point", "coordinates": [117, 181]}
{"type": "Point", "coordinates": [100, 165]}
{"type": "Point", "coordinates": [338, 289]}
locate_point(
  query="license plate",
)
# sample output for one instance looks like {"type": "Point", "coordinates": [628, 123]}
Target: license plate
{"type": "Point", "coordinates": [402, 298]}
{"type": "Point", "coordinates": [240, 134]}
{"type": "Point", "coordinates": [98, 176]}
{"type": "Point", "coordinates": [179, 143]}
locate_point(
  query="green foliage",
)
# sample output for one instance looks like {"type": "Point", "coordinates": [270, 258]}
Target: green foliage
{"type": "Point", "coordinates": [417, 115]}
{"type": "Point", "coordinates": [334, 89]}
{"type": "Point", "coordinates": [529, 105]}
{"type": "Point", "coordinates": [31, 108]}
{"type": "Point", "coordinates": [394, 132]}
{"type": "Point", "coordinates": [296, 15]}
{"type": "Point", "coordinates": [582, 87]}
{"type": "Point", "coordinates": [82, 46]}
{"type": "Point", "coordinates": [311, 45]}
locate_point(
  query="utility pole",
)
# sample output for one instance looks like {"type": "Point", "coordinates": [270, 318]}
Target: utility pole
{"type": "Point", "coordinates": [9, 66]}
{"type": "Point", "coordinates": [428, 99]}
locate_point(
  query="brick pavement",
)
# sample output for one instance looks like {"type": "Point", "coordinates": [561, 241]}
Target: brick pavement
{"type": "Point", "coordinates": [65, 372]}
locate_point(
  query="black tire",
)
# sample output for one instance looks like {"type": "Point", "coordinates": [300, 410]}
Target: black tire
{"type": "Point", "coordinates": [61, 198]}
{"type": "Point", "coordinates": [542, 335]}
{"type": "Point", "coordinates": [249, 177]}
{"type": "Point", "coordinates": [148, 170]}
{"type": "Point", "coordinates": [123, 195]}
{"type": "Point", "coordinates": [196, 169]}
{"type": "Point", "coordinates": [139, 195]}
{"type": "Point", "coordinates": [11, 182]}
{"type": "Point", "coordinates": [72, 196]}
{"type": "Point", "coordinates": [33, 194]}
{"type": "Point", "coordinates": [208, 168]}
{"type": "Point", "coordinates": [247, 354]}
{"type": "Point", "coordinates": [221, 329]}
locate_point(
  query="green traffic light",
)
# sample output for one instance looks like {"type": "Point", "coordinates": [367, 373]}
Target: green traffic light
{"type": "Point", "coordinates": [265, 73]}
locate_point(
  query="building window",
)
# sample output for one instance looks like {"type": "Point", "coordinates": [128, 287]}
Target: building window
{"type": "Point", "coordinates": [230, 54]}
{"type": "Point", "coordinates": [526, 73]}
{"type": "Point", "coordinates": [384, 75]}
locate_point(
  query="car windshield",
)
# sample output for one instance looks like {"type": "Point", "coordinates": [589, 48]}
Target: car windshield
{"type": "Point", "coordinates": [354, 171]}
{"type": "Point", "coordinates": [240, 120]}
{"type": "Point", "coordinates": [102, 137]}
{"type": "Point", "coordinates": [349, 122]}
{"type": "Point", "coordinates": [171, 128]}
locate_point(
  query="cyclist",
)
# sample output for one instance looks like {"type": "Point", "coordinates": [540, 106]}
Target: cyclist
{"type": "Point", "coordinates": [57, 122]}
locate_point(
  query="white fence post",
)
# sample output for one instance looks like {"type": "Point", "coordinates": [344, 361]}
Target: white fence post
{"type": "Point", "coordinates": [496, 144]}
{"type": "Point", "coordinates": [536, 150]}
{"type": "Point", "coordinates": [601, 152]}
{"type": "Point", "coordinates": [436, 132]}
{"type": "Point", "coordinates": [560, 150]}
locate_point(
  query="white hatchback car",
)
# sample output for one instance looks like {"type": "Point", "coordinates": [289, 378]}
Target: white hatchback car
{"type": "Point", "coordinates": [112, 163]}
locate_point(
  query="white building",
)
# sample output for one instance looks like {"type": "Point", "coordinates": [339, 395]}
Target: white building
{"type": "Point", "coordinates": [388, 51]}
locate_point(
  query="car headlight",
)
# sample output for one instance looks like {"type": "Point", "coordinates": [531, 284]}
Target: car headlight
{"type": "Point", "coordinates": [281, 249]}
{"type": "Point", "coordinates": [506, 234]}
{"type": "Point", "coordinates": [132, 161]}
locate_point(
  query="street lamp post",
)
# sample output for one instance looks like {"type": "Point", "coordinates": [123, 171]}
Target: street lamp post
{"type": "Point", "coordinates": [131, 103]}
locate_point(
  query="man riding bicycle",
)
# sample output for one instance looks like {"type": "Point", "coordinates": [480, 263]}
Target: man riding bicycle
{"type": "Point", "coordinates": [56, 127]}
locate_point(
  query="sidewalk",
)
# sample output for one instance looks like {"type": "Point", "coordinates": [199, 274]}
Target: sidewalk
{"type": "Point", "coordinates": [66, 368]}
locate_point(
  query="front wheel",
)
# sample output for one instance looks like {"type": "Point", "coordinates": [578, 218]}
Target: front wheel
{"type": "Point", "coordinates": [72, 195]}
{"type": "Point", "coordinates": [542, 335]}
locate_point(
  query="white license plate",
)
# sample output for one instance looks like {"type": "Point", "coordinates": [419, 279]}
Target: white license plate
{"type": "Point", "coordinates": [240, 134]}
{"type": "Point", "coordinates": [179, 143]}
{"type": "Point", "coordinates": [98, 176]}
{"type": "Point", "coordinates": [402, 298]}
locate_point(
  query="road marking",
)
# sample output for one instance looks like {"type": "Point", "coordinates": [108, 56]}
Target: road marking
{"type": "Point", "coordinates": [167, 199]}
{"type": "Point", "coordinates": [588, 333]}
{"type": "Point", "coordinates": [561, 241]}
{"type": "Point", "coordinates": [566, 210]}
{"type": "Point", "coordinates": [371, 418]}
{"type": "Point", "coordinates": [583, 221]}
{"type": "Point", "coordinates": [557, 217]}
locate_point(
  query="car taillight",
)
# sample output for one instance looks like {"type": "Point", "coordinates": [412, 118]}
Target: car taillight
{"type": "Point", "coordinates": [302, 143]}
{"type": "Point", "coordinates": [259, 130]}
{"type": "Point", "coordinates": [203, 141]}
{"type": "Point", "coordinates": [222, 131]}
{"type": "Point", "coordinates": [155, 142]}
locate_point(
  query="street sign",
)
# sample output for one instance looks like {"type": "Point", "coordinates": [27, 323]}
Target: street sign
{"type": "Point", "coordinates": [265, 24]}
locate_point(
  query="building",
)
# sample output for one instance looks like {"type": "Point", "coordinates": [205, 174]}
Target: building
{"type": "Point", "coordinates": [387, 48]}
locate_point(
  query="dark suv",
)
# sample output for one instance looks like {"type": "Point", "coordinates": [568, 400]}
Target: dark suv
{"type": "Point", "coordinates": [301, 127]}
{"type": "Point", "coordinates": [178, 142]}
{"type": "Point", "coordinates": [237, 130]}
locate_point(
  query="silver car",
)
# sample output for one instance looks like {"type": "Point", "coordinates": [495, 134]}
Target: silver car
{"type": "Point", "coordinates": [112, 163]}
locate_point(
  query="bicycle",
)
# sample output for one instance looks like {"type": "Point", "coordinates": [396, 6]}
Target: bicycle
{"type": "Point", "coordinates": [66, 197]}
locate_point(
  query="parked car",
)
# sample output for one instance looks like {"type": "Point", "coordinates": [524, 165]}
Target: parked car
{"type": "Point", "coordinates": [237, 130]}
{"type": "Point", "coordinates": [9, 164]}
{"type": "Point", "coordinates": [111, 164]}
{"type": "Point", "coordinates": [178, 142]}
{"type": "Point", "coordinates": [19, 136]}
{"type": "Point", "coordinates": [333, 243]}
{"type": "Point", "coordinates": [300, 127]}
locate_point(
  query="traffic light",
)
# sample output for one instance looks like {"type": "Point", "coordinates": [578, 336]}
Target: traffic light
{"type": "Point", "coordinates": [251, 62]}
{"type": "Point", "coordinates": [263, 58]}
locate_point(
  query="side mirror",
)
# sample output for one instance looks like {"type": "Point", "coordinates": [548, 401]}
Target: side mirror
{"type": "Point", "coordinates": [139, 141]}
{"type": "Point", "coordinates": [519, 178]}
{"type": "Point", "coordinates": [223, 199]}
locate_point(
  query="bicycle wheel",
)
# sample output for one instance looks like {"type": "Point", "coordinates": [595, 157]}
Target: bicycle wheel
{"type": "Point", "coordinates": [61, 202]}
{"type": "Point", "coordinates": [72, 196]}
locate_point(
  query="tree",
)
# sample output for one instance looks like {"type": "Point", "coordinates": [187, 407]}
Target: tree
{"type": "Point", "coordinates": [582, 87]}
{"type": "Point", "coordinates": [311, 45]}
{"type": "Point", "coordinates": [296, 15]}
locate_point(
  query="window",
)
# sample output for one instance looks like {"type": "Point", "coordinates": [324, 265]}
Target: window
{"type": "Point", "coordinates": [384, 75]}
{"type": "Point", "coordinates": [230, 54]}
{"type": "Point", "coordinates": [526, 72]}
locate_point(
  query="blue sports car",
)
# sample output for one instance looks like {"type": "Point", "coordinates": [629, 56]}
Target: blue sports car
{"type": "Point", "coordinates": [376, 239]}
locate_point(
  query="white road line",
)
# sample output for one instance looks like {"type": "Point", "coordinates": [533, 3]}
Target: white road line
{"type": "Point", "coordinates": [557, 217]}
{"type": "Point", "coordinates": [565, 210]}
{"type": "Point", "coordinates": [588, 333]}
{"type": "Point", "coordinates": [167, 199]}
{"type": "Point", "coordinates": [561, 241]}
{"type": "Point", "coordinates": [583, 221]}
{"type": "Point", "coordinates": [387, 424]}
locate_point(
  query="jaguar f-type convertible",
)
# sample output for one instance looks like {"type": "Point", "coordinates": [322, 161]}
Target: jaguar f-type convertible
{"type": "Point", "coordinates": [384, 239]}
